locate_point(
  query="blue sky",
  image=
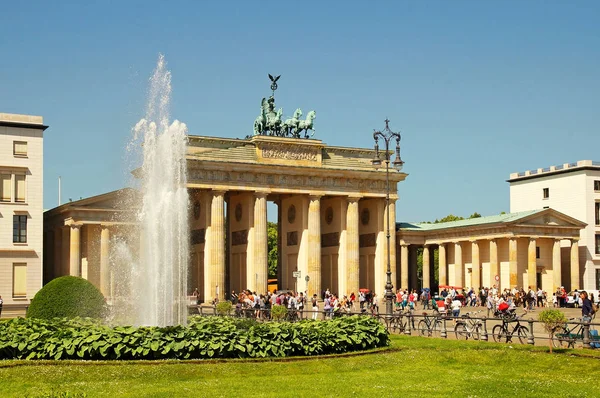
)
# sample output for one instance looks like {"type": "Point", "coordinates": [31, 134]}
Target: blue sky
{"type": "Point", "coordinates": [479, 89]}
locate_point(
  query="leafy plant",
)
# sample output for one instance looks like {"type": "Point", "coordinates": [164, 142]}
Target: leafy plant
{"type": "Point", "coordinates": [553, 320]}
{"type": "Point", "coordinates": [224, 308]}
{"type": "Point", "coordinates": [204, 337]}
{"type": "Point", "coordinates": [67, 297]}
{"type": "Point", "coordinates": [278, 312]}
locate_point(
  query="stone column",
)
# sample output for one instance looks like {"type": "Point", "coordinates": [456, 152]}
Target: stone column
{"type": "Point", "coordinates": [414, 281]}
{"type": "Point", "coordinates": [494, 263]}
{"type": "Point", "coordinates": [74, 252]}
{"type": "Point", "coordinates": [531, 264]}
{"type": "Point", "coordinates": [512, 262]}
{"type": "Point", "coordinates": [426, 265]}
{"type": "Point", "coordinates": [458, 265]}
{"type": "Point", "coordinates": [314, 246]}
{"type": "Point", "coordinates": [404, 265]}
{"type": "Point", "coordinates": [475, 267]}
{"type": "Point", "coordinates": [217, 245]}
{"type": "Point", "coordinates": [556, 265]}
{"type": "Point", "coordinates": [574, 264]}
{"type": "Point", "coordinates": [352, 247]}
{"type": "Point", "coordinates": [261, 266]}
{"type": "Point", "coordinates": [392, 248]}
{"type": "Point", "coordinates": [443, 266]}
{"type": "Point", "coordinates": [104, 261]}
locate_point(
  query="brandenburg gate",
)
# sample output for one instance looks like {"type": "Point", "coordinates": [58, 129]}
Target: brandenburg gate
{"type": "Point", "coordinates": [331, 215]}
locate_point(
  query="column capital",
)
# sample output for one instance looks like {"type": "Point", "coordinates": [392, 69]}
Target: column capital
{"type": "Point", "coordinates": [558, 240]}
{"type": "Point", "coordinates": [218, 192]}
{"type": "Point", "coordinates": [315, 196]}
{"type": "Point", "coordinates": [474, 241]}
{"type": "Point", "coordinates": [491, 239]}
{"type": "Point", "coordinates": [261, 194]}
{"type": "Point", "coordinates": [352, 199]}
{"type": "Point", "coordinates": [533, 238]}
{"type": "Point", "coordinates": [574, 240]}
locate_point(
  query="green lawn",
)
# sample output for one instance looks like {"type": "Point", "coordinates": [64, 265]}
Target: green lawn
{"type": "Point", "coordinates": [414, 367]}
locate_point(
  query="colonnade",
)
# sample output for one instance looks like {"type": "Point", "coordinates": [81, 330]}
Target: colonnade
{"type": "Point", "coordinates": [309, 232]}
{"type": "Point", "coordinates": [508, 269]}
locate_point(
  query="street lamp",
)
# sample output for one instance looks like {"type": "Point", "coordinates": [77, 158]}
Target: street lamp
{"type": "Point", "coordinates": [388, 135]}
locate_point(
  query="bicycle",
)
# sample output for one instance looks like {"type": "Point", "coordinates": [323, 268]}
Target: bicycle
{"type": "Point", "coordinates": [566, 337]}
{"type": "Point", "coordinates": [501, 333]}
{"type": "Point", "coordinates": [468, 327]}
{"type": "Point", "coordinates": [429, 325]}
{"type": "Point", "coordinates": [398, 324]}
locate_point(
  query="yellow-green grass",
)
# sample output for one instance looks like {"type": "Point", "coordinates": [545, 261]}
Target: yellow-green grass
{"type": "Point", "coordinates": [413, 366]}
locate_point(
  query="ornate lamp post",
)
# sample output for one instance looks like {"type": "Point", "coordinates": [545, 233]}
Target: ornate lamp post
{"type": "Point", "coordinates": [388, 135]}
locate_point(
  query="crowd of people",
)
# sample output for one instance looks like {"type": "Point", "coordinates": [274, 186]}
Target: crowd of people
{"type": "Point", "coordinates": [497, 302]}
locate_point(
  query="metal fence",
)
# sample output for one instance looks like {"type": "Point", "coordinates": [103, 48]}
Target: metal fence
{"type": "Point", "coordinates": [515, 330]}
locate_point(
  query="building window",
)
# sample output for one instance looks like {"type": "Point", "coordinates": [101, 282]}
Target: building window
{"type": "Point", "coordinates": [20, 148]}
{"type": "Point", "coordinates": [597, 279]}
{"type": "Point", "coordinates": [597, 185]}
{"type": "Point", "coordinates": [537, 252]}
{"type": "Point", "coordinates": [546, 193]}
{"type": "Point", "coordinates": [19, 280]}
{"type": "Point", "coordinates": [597, 205]}
{"type": "Point", "coordinates": [597, 243]}
{"type": "Point", "coordinates": [19, 229]}
{"type": "Point", "coordinates": [20, 188]}
{"type": "Point", "coordinates": [5, 187]}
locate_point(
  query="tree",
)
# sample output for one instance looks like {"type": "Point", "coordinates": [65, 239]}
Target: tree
{"type": "Point", "coordinates": [553, 320]}
{"type": "Point", "coordinates": [272, 249]}
{"type": "Point", "coordinates": [475, 215]}
{"type": "Point", "coordinates": [449, 218]}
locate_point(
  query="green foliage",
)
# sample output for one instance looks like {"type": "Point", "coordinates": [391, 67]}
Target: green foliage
{"type": "Point", "coordinates": [272, 248]}
{"type": "Point", "coordinates": [67, 297]}
{"type": "Point", "coordinates": [475, 215]}
{"type": "Point", "coordinates": [452, 217]}
{"type": "Point", "coordinates": [278, 312]}
{"type": "Point", "coordinates": [205, 337]}
{"type": "Point", "coordinates": [224, 308]}
{"type": "Point", "coordinates": [553, 320]}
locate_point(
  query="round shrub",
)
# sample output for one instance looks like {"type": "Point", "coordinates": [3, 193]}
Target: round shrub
{"type": "Point", "coordinates": [67, 297]}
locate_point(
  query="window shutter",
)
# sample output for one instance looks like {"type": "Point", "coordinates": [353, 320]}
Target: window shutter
{"type": "Point", "coordinates": [5, 187]}
{"type": "Point", "coordinates": [19, 280]}
{"type": "Point", "coordinates": [19, 188]}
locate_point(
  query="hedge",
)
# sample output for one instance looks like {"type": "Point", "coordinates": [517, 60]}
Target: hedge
{"type": "Point", "coordinates": [204, 338]}
{"type": "Point", "coordinates": [67, 297]}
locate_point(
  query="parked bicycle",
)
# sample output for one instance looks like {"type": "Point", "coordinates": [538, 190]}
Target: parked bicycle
{"type": "Point", "coordinates": [429, 325]}
{"type": "Point", "coordinates": [502, 333]}
{"type": "Point", "coordinates": [467, 327]}
{"type": "Point", "coordinates": [565, 337]}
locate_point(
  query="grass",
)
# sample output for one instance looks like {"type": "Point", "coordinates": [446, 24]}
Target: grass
{"type": "Point", "coordinates": [413, 367]}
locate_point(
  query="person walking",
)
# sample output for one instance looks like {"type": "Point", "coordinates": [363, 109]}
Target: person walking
{"type": "Point", "coordinates": [587, 311]}
{"type": "Point", "coordinates": [1, 302]}
{"type": "Point", "coordinates": [315, 307]}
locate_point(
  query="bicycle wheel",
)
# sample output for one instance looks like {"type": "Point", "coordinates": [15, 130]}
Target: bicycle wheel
{"type": "Point", "coordinates": [499, 334]}
{"type": "Point", "coordinates": [460, 329]}
{"type": "Point", "coordinates": [561, 338]}
{"type": "Point", "coordinates": [522, 333]}
{"type": "Point", "coordinates": [423, 330]}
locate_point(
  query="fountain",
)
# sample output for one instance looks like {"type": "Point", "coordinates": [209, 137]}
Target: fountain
{"type": "Point", "coordinates": [158, 278]}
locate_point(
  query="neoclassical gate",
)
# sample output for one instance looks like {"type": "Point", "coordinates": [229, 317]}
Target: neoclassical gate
{"type": "Point", "coordinates": [331, 215]}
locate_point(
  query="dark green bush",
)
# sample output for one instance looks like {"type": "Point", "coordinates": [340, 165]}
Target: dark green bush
{"type": "Point", "coordinates": [67, 297]}
{"type": "Point", "coordinates": [205, 337]}
{"type": "Point", "coordinates": [278, 312]}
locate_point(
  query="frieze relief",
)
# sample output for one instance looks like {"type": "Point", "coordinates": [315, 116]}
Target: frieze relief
{"type": "Point", "coordinates": [289, 152]}
{"type": "Point", "coordinates": [289, 181]}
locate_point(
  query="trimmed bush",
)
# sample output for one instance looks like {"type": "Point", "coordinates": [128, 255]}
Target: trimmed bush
{"type": "Point", "coordinates": [224, 308]}
{"type": "Point", "coordinates": [67, 297]}
{"type": "Point", "coordinates": [278, 312]}
{"type": "Point", "coordinates": [205, 337]}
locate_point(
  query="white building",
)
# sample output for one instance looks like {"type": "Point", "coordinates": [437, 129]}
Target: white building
{"type": "Point", "coordinates": [573, 189]}
{"type": "Point", "coordinates": [21, 206]}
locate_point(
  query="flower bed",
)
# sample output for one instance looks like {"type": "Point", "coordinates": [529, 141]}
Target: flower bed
{"type": "Point", "coordinates": [203, 338]}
